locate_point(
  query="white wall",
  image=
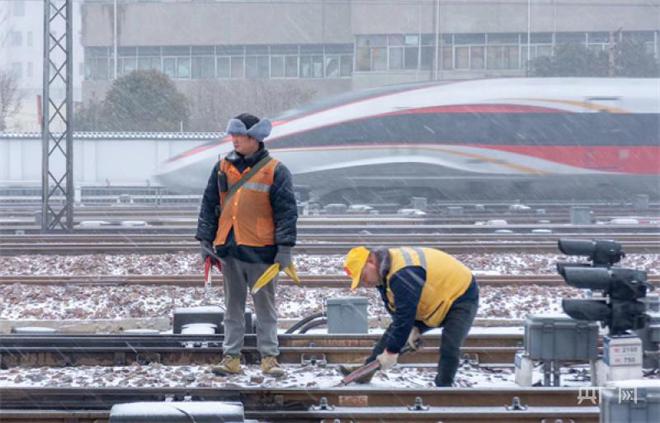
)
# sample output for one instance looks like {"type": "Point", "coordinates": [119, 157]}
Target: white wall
{"type": "Point", "coordinates": [129, 162]}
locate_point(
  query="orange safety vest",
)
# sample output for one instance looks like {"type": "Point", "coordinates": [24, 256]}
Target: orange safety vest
{"type": "Point", "coordinates": [249, 211]}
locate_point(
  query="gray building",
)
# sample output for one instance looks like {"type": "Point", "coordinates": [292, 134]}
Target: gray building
{"type": "Point", "coordinates": [339, 45]}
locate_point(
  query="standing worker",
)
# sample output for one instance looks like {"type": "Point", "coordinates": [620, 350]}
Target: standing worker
{"type": "Point", "coordinates": [248, 219]}
{"type": "Point", "coordinates": [422, 288]}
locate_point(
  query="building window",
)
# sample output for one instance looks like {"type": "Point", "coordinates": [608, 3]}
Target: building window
{"type": "Point", "coordinates": [256, 67]}
{"type": "Point", "coordinates": [183, 68]}
{"type": "Point", "coordinates": [277, 66]}
{"type": "Point", "coordinates": [291, 66]}
{"type": "Point", "coordinates": [148, 63]}
{"type": "Point", "coordinates": [169, 66]}
{"type": "Point", "coordinates": [30, 69]}
{"type": "Point", "coordinates": [17, 70]}
{"type": "Point", "coordinates": [29, 39]}
{"type": "Point", "coordinates": [19, 8]}
{"type": "Point", "coordinates": [238, 62]}
{"type": "Point", "coordinates": [203, 67]}
{"type": "Point", "coordinates": [222, 67]}
{"type": "Point", "coordinates": [15, 39]}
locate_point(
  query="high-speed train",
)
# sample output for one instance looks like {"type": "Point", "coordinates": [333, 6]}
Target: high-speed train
{"type": "Point", "coordinates": [550, 138]}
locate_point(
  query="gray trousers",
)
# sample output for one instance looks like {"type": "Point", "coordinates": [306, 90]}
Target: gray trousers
{"type": "Point", "coordinates": [239, 276]}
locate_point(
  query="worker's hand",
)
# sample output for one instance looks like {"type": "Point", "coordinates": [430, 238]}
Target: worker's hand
{"type": "Point", "coordinates": [413, 339]}
{"type": "Point", "coordinates": [207, 250]}
{"type": "Point", "coordinates": [387, 360]}
{"type": "Point", "coordinates": [283, 256]}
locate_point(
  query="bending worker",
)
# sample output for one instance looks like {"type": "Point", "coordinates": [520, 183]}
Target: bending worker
{"type": "Point", "coordinates": [422, 288]}
{"type": "Point", "coordinates": [248, 218]}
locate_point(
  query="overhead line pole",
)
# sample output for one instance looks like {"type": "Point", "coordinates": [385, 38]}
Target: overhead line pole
{"type": "Point", "coordinates": [57, 117]}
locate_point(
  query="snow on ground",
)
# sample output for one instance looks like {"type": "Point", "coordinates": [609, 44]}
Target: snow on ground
{"type": "Point", "coordinates": [142, 301]}
{"type": "Point", "coordinates": [191, 376]}
{"type": "Point", "coordinates": [155, 375]}
{"type": "Point", "coordinates": [189, 263]}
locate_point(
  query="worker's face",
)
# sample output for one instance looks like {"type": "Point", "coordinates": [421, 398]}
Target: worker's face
{"type": "Point", "coordinates": [370, 276]}
{"type": "Point", "coordinates": [245, 145]}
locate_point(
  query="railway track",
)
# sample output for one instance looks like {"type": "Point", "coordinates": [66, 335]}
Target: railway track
{"type": "Point", "coordinates": [349, 414]}
{"type": "Point", "coordinates": [189, 228]}
{"type": "Point", "coordinates": [317, 244]}
{"type": "Point", "coordinates": [121, 350]}
{"type": "Point", "coordinates": [312, 281]}
{"type": "Point", "coordinates": [315, 405]}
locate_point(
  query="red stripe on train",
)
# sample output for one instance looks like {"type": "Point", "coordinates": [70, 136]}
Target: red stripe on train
{"type": "Point", "coordinates": [475, 108]}
{"type": "Point", "coordinates": [641, 160]}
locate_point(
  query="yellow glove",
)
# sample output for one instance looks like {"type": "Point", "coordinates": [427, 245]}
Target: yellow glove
{"type": "Point", "coordinates": [270, 274]}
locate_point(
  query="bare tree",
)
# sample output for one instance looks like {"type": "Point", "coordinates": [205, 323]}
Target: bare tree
{"type": "Point", "coordinates": [214, 102]}
{"type": "Point", "coordinates": [10, 97]}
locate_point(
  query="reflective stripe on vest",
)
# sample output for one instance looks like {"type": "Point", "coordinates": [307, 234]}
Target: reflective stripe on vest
{"type": "Point", "coordinates": [446, 280]}
{"type": "Point", "coordinates": [248, 211]}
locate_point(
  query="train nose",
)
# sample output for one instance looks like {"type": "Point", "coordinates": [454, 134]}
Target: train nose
{"type": "Point", "coordinates": [180, 179]}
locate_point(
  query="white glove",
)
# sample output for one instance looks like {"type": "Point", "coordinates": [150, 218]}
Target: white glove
{"type": "Point", "coordinates": [387, 360]}
{"type": "Point", "coordinates": [413, 338]}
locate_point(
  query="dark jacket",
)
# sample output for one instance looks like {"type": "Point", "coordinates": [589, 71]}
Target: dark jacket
{"type": "Point", "coordinates": [407, 285]}
{"type": "Point", "coordinates": [282, 200]}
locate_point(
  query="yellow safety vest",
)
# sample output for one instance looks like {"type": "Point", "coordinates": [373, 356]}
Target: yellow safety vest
{"type": "Point", "coordinates": [446, 280]}
{"type": "Point", "coordinates": [248, 211]}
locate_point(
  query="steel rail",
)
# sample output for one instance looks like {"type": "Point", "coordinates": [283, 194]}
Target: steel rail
{"type": "Point", "coordinates": [350, 414]}
{"type": "Point", "coordinates": [290, 399]}
{"type": "Point", "coordinates": [373, 227]}
{"type": "Point", "coordinates": [311, 281]}
{"type": "Point", "coordinates": [338, 248]}
{"type": "Point", "coordinates": [119, 350]}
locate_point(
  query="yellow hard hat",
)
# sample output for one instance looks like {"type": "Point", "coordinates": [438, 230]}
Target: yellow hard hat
{"type": "Point", "coordinates": [354, 263]}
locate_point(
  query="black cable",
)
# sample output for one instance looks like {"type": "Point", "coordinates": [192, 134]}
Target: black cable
{"type": "Point", "coordinates": [302, 321]}
{"type": "Point", "coordinates": [313, 324]}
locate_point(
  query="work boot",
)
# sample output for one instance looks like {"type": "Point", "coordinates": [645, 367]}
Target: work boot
{"type": "Point", "coordinates": [270, 366]}
{"type": "Point", "coordinates": [230, 365]}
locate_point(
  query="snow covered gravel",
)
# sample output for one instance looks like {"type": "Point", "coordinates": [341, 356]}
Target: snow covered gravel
{"type": "Point", "coordinates": [116, 302]}
{"type": "Point", "coordinates": [21, 302]}
{"type": "Point", "coordinates": [186, 263]}
{"type": "Point", "coordinates": [157, 375]}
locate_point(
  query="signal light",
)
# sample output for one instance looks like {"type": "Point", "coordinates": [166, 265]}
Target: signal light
{"type": "Point", "coordinates": [621, 309]}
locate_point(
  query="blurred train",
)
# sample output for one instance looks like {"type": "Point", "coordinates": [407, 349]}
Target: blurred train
{"type": "Point", "coordinates": [537, 138]}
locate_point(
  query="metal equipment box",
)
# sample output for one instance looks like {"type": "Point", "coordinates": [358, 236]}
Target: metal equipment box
{"type": "Point", "coordinates": [632, 403]}
{"type": "Point", "coordinates": [347, 315]}
{"type": "Point", "coordinates": [177, 412]}
{"type": "Point", "coordinates": [204, 314]}
{"type": "Point", "coordinates": [560, 338]}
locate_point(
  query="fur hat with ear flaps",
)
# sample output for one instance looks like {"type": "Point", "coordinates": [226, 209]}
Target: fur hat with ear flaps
{"type": "Point", "coordinates": [252, 126]}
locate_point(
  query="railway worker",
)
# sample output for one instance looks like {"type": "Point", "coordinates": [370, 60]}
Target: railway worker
{"type": "Point", "coordinates": [422, 288]}
{"type": "Point", "coordinates": [250, 227]}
